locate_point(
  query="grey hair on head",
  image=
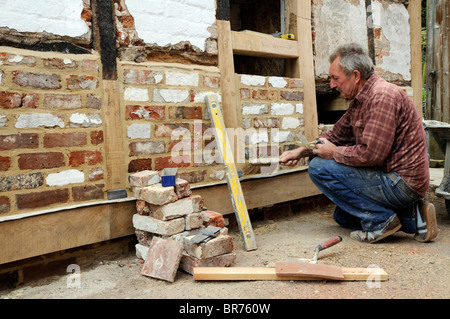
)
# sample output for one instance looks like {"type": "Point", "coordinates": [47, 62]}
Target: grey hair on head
{"type": "Point", "coordinates": [353, 57]}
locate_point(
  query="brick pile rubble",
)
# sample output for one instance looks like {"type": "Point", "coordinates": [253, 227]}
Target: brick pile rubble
{"type": "Point", "coordinates": [167, 221]}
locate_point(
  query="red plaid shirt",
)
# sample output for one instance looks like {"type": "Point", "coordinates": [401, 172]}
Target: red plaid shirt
{"type": "Point", "coordinates": [382, 128]}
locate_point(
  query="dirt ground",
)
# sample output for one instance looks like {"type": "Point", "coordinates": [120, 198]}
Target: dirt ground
{"type": "Point", "coordinates": [416, 270]}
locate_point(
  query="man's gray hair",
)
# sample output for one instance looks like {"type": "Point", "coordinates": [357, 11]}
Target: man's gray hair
{"type": "Point", "coordinates": [353, 57]}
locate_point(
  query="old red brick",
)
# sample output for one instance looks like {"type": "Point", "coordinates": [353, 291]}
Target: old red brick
{"type": "Point", "coordinates": [10, 100]}
{"type": "Point", "coordinates": [163, 259]}
{"type": "Point", "coordinates": [185, 112]}
{"type": "Point", "coordinates": [172, 161]}
{"type": "Point", "coordinates": [81, 82]}
{"type": "Point", "coordinates": [65, 139]}
{"type": "Point", "coordinates": [127, 21]}
{"type": "Point", "coordinates": [56, 63]}
{"type": "Point", "coordinates": [42, 199]}
{"type": "Point", "coordinates": [5, 204]}
{"type": "Point", "coordinates": [292, 95]}
{"type": "Point", "coordinates": [24, 140]}
{"type": "Point", "coordinates": [37, 80]}
{"type": "Point", "coordinates": [30, 100]}
{"type": "Point", "coordinates": [96, 137]}
{"type": "Point", "coordinates": [88, 192]}
{"type": "Point", "coordinates": [41, 160]}
{"type": "Point", "coordinates": [141, 164]}
{"type": "Point", "coordinates": [211, 81]}
{"type": "Point", "coordinates": [90, 65]}
{"type": "Point", "coordinates": [212, 218]}
{"type": "Point", "coordinates": [142, 207]}
{"type": "Point", "coordinates": [77, 158]}
{"type": "Point", "coordinates": [188, 263]}
{"type": "Point", "coordinates": [165, 130]}
{"type": "Point", "coordinates": [137, 112]}
{"type": "Point", "coordinates": [141, 76]}
{"type": "Point", "coordinates": [5, 163]}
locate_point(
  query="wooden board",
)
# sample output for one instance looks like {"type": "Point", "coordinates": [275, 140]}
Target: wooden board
{"type": "Point", "coordinates": [269, 273]}
{"type": "Point", "coordinates": [309, 270]}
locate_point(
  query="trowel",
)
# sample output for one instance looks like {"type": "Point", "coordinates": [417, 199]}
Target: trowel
{"type": "Point", "coordinates": [327, 244]}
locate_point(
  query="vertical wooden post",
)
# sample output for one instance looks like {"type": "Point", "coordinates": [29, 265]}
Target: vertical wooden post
{"type": "Point", "coordinates": [104, 42]}
{"type": "Point", "coordinates": [298, 22]}
{"type": "Point", "coordinates": [415, 24]}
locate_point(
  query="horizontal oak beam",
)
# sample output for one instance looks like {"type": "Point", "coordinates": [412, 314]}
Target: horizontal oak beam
{"type": "Point", "coordinates": [262, 45]}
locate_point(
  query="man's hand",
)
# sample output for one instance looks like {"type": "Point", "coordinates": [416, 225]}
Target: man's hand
{"type": "Point", "coordinates": [291, 157]}
{"type": "Point", "coordinates": [325, 149]}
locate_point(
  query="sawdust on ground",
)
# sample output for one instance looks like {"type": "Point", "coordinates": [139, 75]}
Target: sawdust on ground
{"type": "Point", "coordinates": [416, 270]}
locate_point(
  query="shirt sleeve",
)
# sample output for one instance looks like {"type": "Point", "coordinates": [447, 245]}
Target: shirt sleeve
{"type": "Point", "coordinates": [374, 134]}
{"type": "Point", "coordinates": [342, 133]}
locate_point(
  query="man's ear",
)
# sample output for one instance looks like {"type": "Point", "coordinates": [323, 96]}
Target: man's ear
{"type": "Point", "coordinates": [357, 75]}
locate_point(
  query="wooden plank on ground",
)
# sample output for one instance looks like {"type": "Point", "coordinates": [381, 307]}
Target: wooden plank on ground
{"type": "Point", "coordinates": [306, 270]}
{"type": "Point", "coordinates": [269, 273]}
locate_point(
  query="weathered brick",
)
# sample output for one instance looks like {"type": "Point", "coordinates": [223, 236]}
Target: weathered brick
{"type": "Point", "coordinates": [21, 181]}
{"type": "Point", "coordinates": [144, 178]}
{"type": "Point", "coordinates": [220, 245]}
{"type": "Point", "coordinates": [163, 259]}
{"type": "Point", "coordinates": [16, 59]}
{"type": "Point", "coordinates": [96, 174]}
{"type": "Point", "coordinates": [90, 65]}
{"type": "Point", "coordinates": [85, 120]}
{"type": "Point", "coordinates": [93, 101]}
{"type": "Point", "coordinates": [41, 160]}
{"type": "Point", "coordinates": [188, 263]}
{"type": "Point", "coordinates": [10, 100]}
{"type": "Point", "coordinates": [182, 188]}
{"type": "Point", "coordinates": [141, 251]}
{"type": "Point", "coordinates": [185, 112]}
{"type": "Point", "coordinates": [142, 76]}
{"type": "Point", "coordinates": [37, 80]}
{"type": "Point", "coordinates": [144, 148]}
{"type": "Point", "coordinates": [77, 158]}
{"type": "Point", "coordinates": [144, 237]}
{"type": "Point", "coordinates": [88, 192]}
{"type": "Point", "coordinates": [171, 95]}
{"type": "Point", "coordinates": [296, 83]}
{"type": "Point", "coordinates": [142, 207]}
{"type": "Point", "coordinates": [65, 139]}
{"type": "Point", "coordinates": [127, 21]}
{"type": "Point", "coordinates": [156, 194]}
{"type": "Point", "coordinates": [137, 112]}
{"type": "Point", "coordinates": [62, 101]}
{"type": "Point", "coordinates": [211, 81]}
{"type": "Point", "coordinates": [39, 119]}
{"type": "Point", "coordinates": [292, 95]}
{"type": "Point", "coordinates": [81, 82]}
{"type": "Point", "coordinates": [172, 162]}
{"type": "Point", "coordinates": [96, 137]}
{"type": "Point", "coordinates": [194, 176]}
{"type": "Point", "coordinates": [56, 63]}
{"type": "Point", "coordinates": [5, 204]}
{"type": "Point", "coordinates": [179, 208]}
{"type": "Point", "coordinates": [42, 199]}
{"type": "Point", "coordinates": [165, 130]}
{"type": "Point", "coordinates": [5, 163]}
{"type": "Point", "coordinates": [139, 165]}
{"type": "Point", "coordinates": [14, 141]}
{"type": "Point", "coordinates": [211, 218]}
{"type": "Point", "coordinates": [156, 226]}
{"type": "Point", "coordinates": [193, 221]}
{"type": "Point", "coordinates": [30, 100]}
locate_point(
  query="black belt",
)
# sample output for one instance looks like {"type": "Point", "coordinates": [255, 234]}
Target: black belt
{"type": "Point", "coordinates": [404, 186]}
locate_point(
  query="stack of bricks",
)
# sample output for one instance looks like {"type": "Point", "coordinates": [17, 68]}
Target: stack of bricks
{"type": "Point", "coordinates": [166, 220]}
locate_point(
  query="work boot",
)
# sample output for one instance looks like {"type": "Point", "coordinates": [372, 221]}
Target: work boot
{"type": "Point", "coordinates": [426, 222]}
{"type": "Point", "coordinates": [392, 225]}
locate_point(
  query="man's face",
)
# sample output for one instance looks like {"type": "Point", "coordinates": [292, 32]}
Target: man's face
{"type": "Point", "coordinates": [346, 86]}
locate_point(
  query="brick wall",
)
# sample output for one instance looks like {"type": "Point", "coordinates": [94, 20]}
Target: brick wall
{"type": "Point", "coordinates": [51, 130]}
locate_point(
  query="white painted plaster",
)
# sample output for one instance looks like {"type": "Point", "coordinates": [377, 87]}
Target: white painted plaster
{"type": "Point", "coordinates": [61, 17]}
{"type": "Point", "coordinates": [253, 80]}
{"type": "Point", "coordinates": [185, 79]}
{"type": "Point", "coordinates": [337, 22]}
{"type": "Point", "coordinates": [38, 119]}
{"type": "Point", "coordinates": [254, 108]}
{"type": "Point", "coordinates": [394, 23]}
{"type": "Point", "coordinates": [136, 94]}
{"type": "Point", "coordinates": [282, 109]}
{"type": "Point", "coordinates": [169, 22]}
{"type": "Point", "coordinates": [277, 82]}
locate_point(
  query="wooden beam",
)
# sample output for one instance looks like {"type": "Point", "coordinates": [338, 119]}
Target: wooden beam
{"type": "Point", "coordinates": [227, 79]}
{"type": "Point", "coordinates": [298, 22]}
{"type": "Point", "coordinates": [52, 232]}
{"type": "Point", "coordinates": [269, 273]}
{"type": "Point", "coordinates": [415, 23]}
{"type": "Point", "coordinates": [263, 45]}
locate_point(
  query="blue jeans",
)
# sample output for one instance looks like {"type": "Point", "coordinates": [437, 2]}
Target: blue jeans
{"type": "Point", "coordinates": [365, 198]}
